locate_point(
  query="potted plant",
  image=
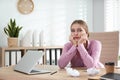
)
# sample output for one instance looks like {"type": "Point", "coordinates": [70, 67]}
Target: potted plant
{"type": "Point", "coordinates": [12, 31]}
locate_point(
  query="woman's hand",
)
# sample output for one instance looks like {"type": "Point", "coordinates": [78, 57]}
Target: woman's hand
{"type": "Point", "coordinates": [83, 38]}
{"type": "Point", "coordinates": [74, 42]}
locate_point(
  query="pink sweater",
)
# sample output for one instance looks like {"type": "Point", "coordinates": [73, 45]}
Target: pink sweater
{"type": "Point", "coordinates": [79, 56]}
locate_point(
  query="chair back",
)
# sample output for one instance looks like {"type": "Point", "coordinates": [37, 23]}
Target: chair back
{"type": "Point", "coordinates": [110, 45]}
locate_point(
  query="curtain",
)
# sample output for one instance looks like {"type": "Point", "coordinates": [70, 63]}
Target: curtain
{"type": "Point", "coordinates": [61, 14]}
{"type": "Point", "coordinates": [112, 15]}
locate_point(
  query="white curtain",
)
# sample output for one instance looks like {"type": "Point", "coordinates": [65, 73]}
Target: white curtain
{"type": "Point", "coordinates": [60, 16]}
{"type": "Point", "coordinates": [112, 15]}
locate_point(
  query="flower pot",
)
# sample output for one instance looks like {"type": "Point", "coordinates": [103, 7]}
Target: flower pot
{"type": "Point", "coordinates": [12, 42]}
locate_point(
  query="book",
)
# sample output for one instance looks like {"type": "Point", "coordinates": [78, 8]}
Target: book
{"type": "Point", "coordinates": [110, 76]}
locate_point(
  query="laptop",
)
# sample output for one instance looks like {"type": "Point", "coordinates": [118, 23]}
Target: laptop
{"type": "Point", "coordinates": [28, 63]}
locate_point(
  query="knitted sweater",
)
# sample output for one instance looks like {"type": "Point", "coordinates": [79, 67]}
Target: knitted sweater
{"type": "Point", "coordinates": [80, 57]}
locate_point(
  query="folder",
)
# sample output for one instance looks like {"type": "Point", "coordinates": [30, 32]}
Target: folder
{"type": "Point", "coordinates": [18, 56]}
{"type": "Point", "coordinates": [13, 57]}
{"type": "Point", "coordinates": [7, 58]}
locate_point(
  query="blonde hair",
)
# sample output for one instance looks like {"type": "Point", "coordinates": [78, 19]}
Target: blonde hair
{"type": "Point", "coordinates": [83, 23]}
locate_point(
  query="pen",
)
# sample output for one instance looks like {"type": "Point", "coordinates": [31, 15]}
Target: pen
{"type": "Point", "coordinates": [53, 72]}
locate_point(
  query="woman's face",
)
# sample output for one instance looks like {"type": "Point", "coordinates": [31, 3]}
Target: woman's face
{"type": "Point", "coordinates": [77, 31]}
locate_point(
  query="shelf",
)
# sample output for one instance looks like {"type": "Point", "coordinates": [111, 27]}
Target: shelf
{"type": "Point", "coordinates": [23, 50]}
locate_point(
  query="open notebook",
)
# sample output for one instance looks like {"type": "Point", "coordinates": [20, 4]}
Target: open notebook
{"type": "Point", "coordinates": [28, 62]}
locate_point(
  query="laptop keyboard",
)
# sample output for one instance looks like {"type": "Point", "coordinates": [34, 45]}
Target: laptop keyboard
{"type": "Point", "coordinates": [39, 71]}
{"type": "Point", "coordinates": [34, 71]}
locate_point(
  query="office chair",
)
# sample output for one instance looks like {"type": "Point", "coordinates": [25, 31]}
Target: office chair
{"type": "Point", "coordinates": [110, 45]}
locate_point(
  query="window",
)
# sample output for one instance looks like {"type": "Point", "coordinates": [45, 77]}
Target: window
{"type": "Point", "coordinates": [112, 15]}
{"type": "Point", "coordinates": [60, 15]}
{"type": "Point", "coordinates": [53, 17]}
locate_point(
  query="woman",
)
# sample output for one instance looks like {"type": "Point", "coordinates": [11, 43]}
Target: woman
{"type": "Point", "coordinates": [80, 51]}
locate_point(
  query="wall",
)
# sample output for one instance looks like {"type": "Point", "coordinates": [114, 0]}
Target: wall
{"type": "Point", "coordinates": [29, 22]}
{"type": "Point", "coordinates": [39, 19]}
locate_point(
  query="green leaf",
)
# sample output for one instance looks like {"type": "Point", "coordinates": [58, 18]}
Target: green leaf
{"type": "Point", "coordinates": [12, 30]}
{"type": "Point", "coordinates": [5, 31]}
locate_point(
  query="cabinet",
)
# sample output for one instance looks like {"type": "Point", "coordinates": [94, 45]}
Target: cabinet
{"type": "Point", "coordinates": [50, 52]}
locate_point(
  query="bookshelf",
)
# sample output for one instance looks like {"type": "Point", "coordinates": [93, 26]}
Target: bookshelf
{"type": "Point", "coordinates": [50, 57]}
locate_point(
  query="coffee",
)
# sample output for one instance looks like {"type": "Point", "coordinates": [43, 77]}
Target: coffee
{"type": "Point", "coordinates": [109, 67]}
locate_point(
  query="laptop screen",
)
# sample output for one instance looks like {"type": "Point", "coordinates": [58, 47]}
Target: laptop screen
{"type": "Point", "coordinates": [28, 61]}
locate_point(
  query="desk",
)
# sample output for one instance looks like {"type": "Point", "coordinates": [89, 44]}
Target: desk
{"type": "Point", "coordinates": [7, 73]}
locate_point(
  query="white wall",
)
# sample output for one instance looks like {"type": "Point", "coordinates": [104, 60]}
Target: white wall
{"type": "Point", "coordinates": [31, 21]}
{"type": "Point", "coordinates": [40, 20]}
